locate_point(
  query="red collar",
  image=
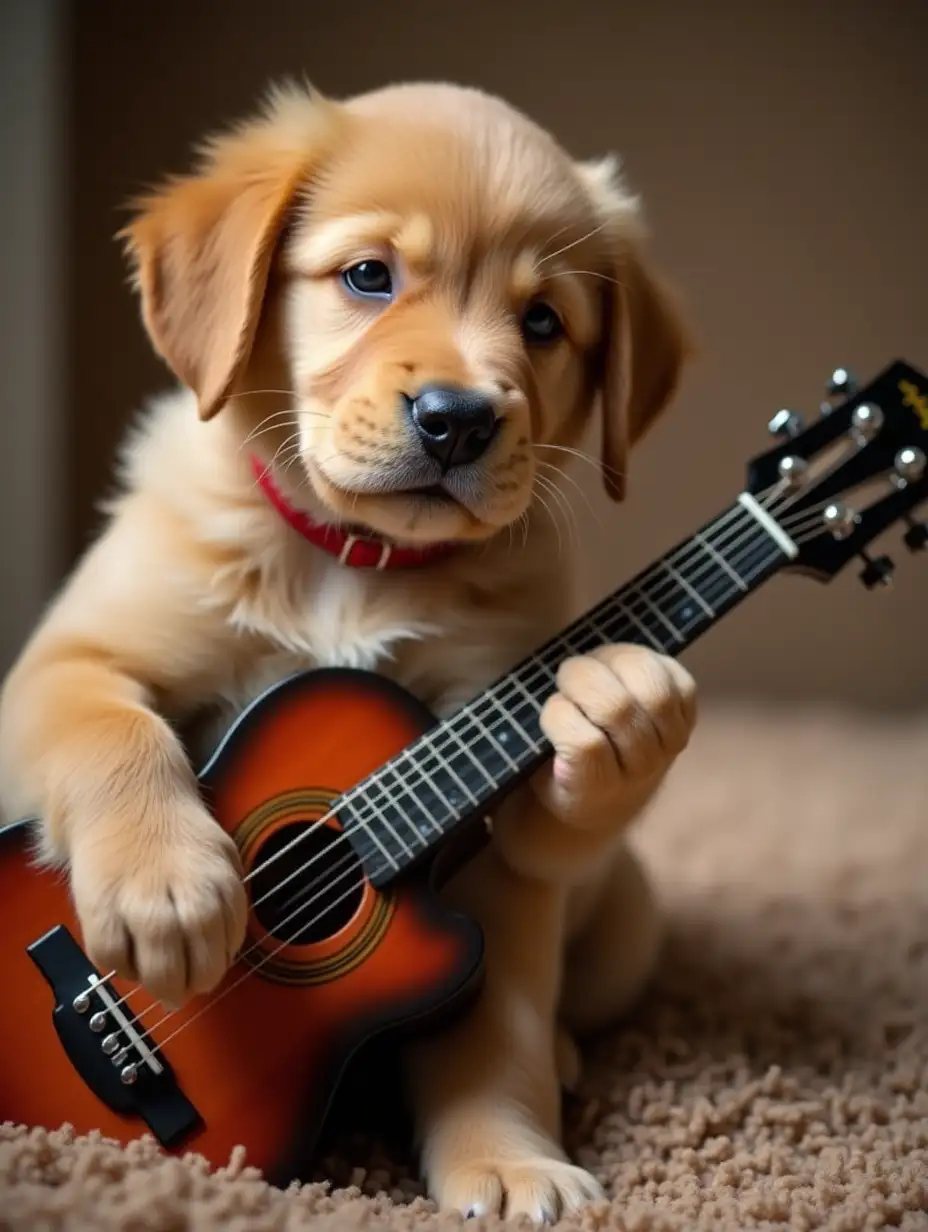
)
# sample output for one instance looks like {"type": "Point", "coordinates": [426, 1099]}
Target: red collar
{"type": "Point", "coordinates": [355, 551]}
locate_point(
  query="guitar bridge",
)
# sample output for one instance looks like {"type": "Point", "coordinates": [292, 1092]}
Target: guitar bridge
{"type": "Point", "coordinates": [106, 1044]}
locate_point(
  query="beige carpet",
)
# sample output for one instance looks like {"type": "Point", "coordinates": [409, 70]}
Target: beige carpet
{"type": "Point", "coordinates": [776, 1075]}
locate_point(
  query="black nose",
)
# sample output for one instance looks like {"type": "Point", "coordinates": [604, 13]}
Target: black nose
{"type": "Point", "coordinates": [455, 426]}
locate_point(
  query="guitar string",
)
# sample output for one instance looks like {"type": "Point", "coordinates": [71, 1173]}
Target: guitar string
{"type": "Point", "coordinates": [790, 498]}
{"type": "Point", "coordinates": [509, 689]}
{"type": "Point", "coordinates": [687, 552]}
{"type": "Point", "coordinates": [680, 556]}
{"type": "Point", "coordinates": [477, 709]}
{"type": "Point", "coordinates": [346, 894]}
{"type": "Point", "coordinates": [350, 860]}
{"type": "Point", "coordinates": [253, 970]}
{"type": "Point", "coordinates": [802, 521]}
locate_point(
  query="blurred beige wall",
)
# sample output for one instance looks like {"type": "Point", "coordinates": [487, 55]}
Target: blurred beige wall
{"type": "Point", "coordinates": [781, 152]}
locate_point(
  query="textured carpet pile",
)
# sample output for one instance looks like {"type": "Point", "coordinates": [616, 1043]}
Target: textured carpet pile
{"type": "Point", "coordinates": [775, 1076]}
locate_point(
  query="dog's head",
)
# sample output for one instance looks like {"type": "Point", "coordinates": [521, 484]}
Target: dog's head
{"type": "Point", "coordinates": [442, 290]}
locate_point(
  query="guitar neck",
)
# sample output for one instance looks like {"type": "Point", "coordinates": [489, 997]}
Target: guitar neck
{"type": "Point", "coordinates": [462, 766]}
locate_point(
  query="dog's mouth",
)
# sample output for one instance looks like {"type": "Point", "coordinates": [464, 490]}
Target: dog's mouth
{"type": "Point", "coordinates": [383, 486]}
{"type": "Point", "coordinates": [432, 492]}
{"type": "Point", "coordinates": [400, 503]}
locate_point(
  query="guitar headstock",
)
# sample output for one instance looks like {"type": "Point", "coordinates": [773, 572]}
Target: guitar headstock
{"type": "Point", "coordinates": [836, 484]}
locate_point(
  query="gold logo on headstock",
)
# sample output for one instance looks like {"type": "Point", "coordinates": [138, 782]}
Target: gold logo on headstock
{"type": "Point", "coordinates": [913, 398]}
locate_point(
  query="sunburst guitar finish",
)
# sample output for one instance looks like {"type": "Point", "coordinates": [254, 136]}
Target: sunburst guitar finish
{"type": "Point", "coordinates": [329, 961]}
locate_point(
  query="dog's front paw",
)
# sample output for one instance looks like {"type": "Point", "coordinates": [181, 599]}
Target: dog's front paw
{"type": "Point", "coordinates": [620, 717]}
{"type": "Point", "coordinates": [160, 900]}
{"type": "Point", "coordinates": [544, 1189]}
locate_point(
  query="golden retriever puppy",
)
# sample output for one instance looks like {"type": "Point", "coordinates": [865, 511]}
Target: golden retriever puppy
{"type": "Point", "coordinates": [390, 318]}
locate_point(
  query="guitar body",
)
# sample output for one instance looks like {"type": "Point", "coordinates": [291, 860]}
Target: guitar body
{"type": "Point", "coordinates": [328, 964]}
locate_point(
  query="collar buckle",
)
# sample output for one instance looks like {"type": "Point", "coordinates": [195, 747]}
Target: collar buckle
{"type": "Point", "coordinates": [353, 541]}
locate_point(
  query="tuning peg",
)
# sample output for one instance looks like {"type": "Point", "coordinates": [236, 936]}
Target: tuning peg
{"type": "Point", "coordinates": [916, 537]}
{"type": "Point", "coordinates": [909, 465]}
{"type": "Point", "coordinates": [842, 384]}
{"type": "Point", "coordinates": [785, 424]}
{"type": "Point", "coordinates": [840, 519]}
{"type": "Point", "coordinates": [878, 571]}
{"type": "Point", "coordinates": [792, 470]}
{"type": "Point", "coordinates": [866, 422]}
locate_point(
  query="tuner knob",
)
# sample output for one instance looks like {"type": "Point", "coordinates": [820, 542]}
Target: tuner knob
{"type": "Point", "coordinates": [866, 422]}
{"type": "Point", "coordinates": [839, 519]}
{"type": "Point", "coordinates": [785, 423]}
{"type": "Point", "coordinates": [910, 464]}
{"type": "Point", "coordinates": [916, 537]}
{"type": "Point", "coordinates": [841, 384]}
{"type": "Point", "coordinates": [792, 469]}
{"type": "Point", "coordinates": [878, 571]}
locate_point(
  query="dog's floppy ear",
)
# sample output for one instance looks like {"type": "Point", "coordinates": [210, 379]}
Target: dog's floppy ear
{"type": "Point", "coordinates": [202, 246]}
{"type": "Point", "coordinates": [645, 340]}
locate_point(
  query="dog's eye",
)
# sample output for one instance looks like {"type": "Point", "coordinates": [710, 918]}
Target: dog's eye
{"type": "Point", "coordinates": [540, 323]}
{"type": "Point", "coordinates": [369, 279]}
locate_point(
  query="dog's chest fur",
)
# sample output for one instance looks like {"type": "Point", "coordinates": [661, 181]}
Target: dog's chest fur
{"type": "Point", "coordinates": [441, 643]}
{"type": "Point", "coordinates": [276, 605]}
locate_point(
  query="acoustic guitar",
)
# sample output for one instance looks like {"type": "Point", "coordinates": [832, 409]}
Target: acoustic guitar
{"type": "Point", "coordinates": [343, 793]}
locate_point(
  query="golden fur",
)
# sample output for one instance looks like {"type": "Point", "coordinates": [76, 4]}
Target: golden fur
{"type": "Point", "coordinates": [196, 595]}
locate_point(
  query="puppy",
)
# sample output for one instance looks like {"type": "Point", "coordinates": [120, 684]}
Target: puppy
{"type": "Point", "coordinates": [396, 312]}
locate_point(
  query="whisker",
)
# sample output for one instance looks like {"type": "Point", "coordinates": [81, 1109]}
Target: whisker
{"type": "Point", "coordinates": [570, 479]}
{"type": "Point", "coordinates": [261, 429]}
{"type": "Point", "coordinates": [526, 527]}
{"type": "Point", "coordinates": [573, 244]}
{"type": "Point", "coordinates": [548, 486]}
{"type": "Point", "coordinates": [289, 463]}
{"type": "Point", "coordinates": [559, 231]}
{"type": "Point", "coordinates": [570, 515]}
{"type": "Point", "coordinates": [267, 424]}
{"type": "Point", "coordinates": [587, 273]}
{"type": "Point", "coordinates": [293, 441]}
{"type": "Point", "coordinates": [578, 453]}
{"type": "Point", "coordinates": [249, 393]}
{"type": "Point", "coordinates": [554, 521]}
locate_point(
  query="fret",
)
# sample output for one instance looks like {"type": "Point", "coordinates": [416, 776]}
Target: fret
{"type": "Point", "coordinates": [750, 556]}
{"type": "Point", "coordinates": [402, 801]}
{"type": "Point", "coordinates": [717, 555]}
{"type": "Point", "coordinates": [439, 776]}
{"type": "Point", "coordinates": [487, 747]}
{"type": "Point", "coordinates": [455, 770]}
{"type": "Point", "coordinates": [533, 703]}
{"type": "Point", "coordinates": [440, 794]}
{"type": "Point", "coordinates": [640, 624]}
{"type": "Point", "coordinates": [484, 733]}
{"type": "Point", "coordinates": [676, 597]}
{"type": "Point", "coordinates": [605, 638]}
{"type": "Point", "coordinates": [673, 630]}
{"type": "Point", "coordinates": [509, 730]}
{"type": "Point", "coordinates": [370, 840]}
{"type": "Point", "coordinates": [582, 641]}
{"type": "Point", "coordinates": [436, 804]}
{"type": "Point", "coordinates": [675, 575]}
{"type": "Point", "coordinates": [488, 779]}
{"type": "Point", "coordinates": [383, 808]}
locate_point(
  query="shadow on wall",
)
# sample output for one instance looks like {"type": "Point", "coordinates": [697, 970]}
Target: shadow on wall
{"type": "Point", "coordinates": [776, 152]}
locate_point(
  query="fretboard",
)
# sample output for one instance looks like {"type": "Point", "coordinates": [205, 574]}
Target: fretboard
{"type": "Point", "coordinates": [467, 762]}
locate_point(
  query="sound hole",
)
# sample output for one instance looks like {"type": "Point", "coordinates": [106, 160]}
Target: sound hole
{"type": "Point", "coordinates": [312, 889]}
